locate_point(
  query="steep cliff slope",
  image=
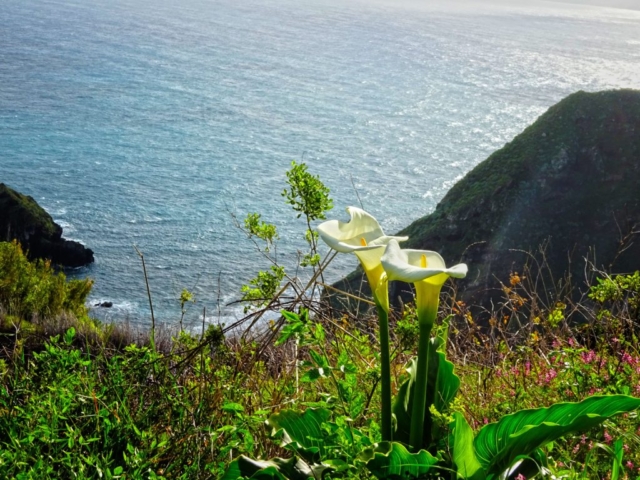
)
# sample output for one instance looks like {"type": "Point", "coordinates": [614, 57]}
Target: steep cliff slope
{"type": "Point", "coordinates": [570, 181]}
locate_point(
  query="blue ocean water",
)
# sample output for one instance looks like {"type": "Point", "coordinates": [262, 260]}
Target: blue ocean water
{"type": "Point", "coordinates": [151, 123]}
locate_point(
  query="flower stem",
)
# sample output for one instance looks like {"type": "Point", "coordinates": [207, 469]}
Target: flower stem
{"type": "Point", "coordinates": [385, 374]}
{"type": "Point", "coordinates": [416, 436]}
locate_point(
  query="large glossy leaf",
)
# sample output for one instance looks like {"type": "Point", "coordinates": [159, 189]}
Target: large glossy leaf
{"type": "Point", "coordinates": [402, 406]}
{"type": "Point", "coordinates": [302, 432]}
{"type": "Point", "coordinates": [392, 461]}
{"type": "Point", "coordinates": [499, 444]}
{"type": "Point", "coordinates": [464, 453]}
{"type": "Point", "coordinates": [274, 469]}
{"type": "Point", "coordinates": [442, 387]}
{"type": "Point", "coordinates": [448, 384]}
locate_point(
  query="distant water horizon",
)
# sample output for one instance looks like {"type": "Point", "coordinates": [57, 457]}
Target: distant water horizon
{"type": "Point", "coordinates": [151, 124]}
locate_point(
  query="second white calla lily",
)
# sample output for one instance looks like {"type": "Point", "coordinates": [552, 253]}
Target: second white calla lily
{"type": "Point", "coordinates": [428, 272]}
{"type": "Point", "coordinates": [425, 269]}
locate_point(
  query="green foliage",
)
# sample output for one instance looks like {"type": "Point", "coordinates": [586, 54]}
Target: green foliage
{"type": "Point", "coordinates": [499, 445]}
{"type": "Point", "coordinates": [392, 461]}
{"type": "Point", "coordinates": [65, 413]}
{"type": "Point", "coordinates": [263, 288]}
{"type": "Point", "coordinates": [465, 458]}
{"type": "Point", "coordinates": [307, 194]}
{"type": "Point", "coordinates": [296, 326]}
{"type": "Point", "coordinates": [185, 297]}
{"type": "Point", "coordinates": [618, 295]}
{"type": "Point", "coordinates": [304, 431]}
{"type": "Point", "coordinates": [309, 197]}
{"type": "Point", "coordinates": [259, 228]}
{"type": "Point", "coordinates": [30, 289]}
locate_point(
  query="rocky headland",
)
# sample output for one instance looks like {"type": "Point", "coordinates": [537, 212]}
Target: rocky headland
{"type": "Point", "coordinates": [568, 185]}
{"type": "Point", "coordinates": [22, 219]}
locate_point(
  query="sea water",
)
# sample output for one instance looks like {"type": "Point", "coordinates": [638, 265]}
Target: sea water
{"type": "Point", "coordinates": [153, 123]}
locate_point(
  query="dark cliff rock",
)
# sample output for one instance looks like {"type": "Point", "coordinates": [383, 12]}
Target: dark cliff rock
{"type": "Point", "coordinates": [22, 219]}
{"type": "Point", "coordinates": [570, 181]}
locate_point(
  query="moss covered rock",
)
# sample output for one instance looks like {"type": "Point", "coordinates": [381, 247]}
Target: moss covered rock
{"type": "Point", "coordinates": [22, 219]}
{"type": "Point", "coordinates": [570, 183]}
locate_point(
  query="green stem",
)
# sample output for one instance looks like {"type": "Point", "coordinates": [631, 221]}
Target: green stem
{"type": "Point", "coordinates": [416, 436]}
{"type": "Point", "coordinates": [385, 374]}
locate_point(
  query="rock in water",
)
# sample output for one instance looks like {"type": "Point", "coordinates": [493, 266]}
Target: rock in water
{"type": "Point", "coordinates": [570, 182]}
{"type": "Point", "coordinates": [22, 219]}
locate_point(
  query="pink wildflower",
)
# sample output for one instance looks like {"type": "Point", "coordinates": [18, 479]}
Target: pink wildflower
{"type": "Point", "coordinates": [521, 477]}
{"type": "Point", "coordinates": [628, 359]}
{"type": "Point", "coordinates": [550, 375]}
{"type": "Point", "coordinates": [607, 438]}
{"type": "Point", "coordinates": [588, 357]}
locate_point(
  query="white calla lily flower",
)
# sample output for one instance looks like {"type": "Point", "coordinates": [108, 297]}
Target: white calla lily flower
{"type": "Point", "coordinates": [363, 236]}
{"type": "Point", "coordinates": [362, 232]}
{"type": "Point", "coordinates": [425, 269]}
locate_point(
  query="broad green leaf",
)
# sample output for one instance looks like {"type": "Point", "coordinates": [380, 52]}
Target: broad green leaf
{"type": "Point", "coordinates": [617, 454]}
{"type": "Point", "coordinates": [448, 384]}
{"type": "Point", "coordinates": [312, 375]}
{"type": "Point", "coordinates": [233, 407]}
{"type": "Point", "coordinates": [391, 460]}
{"type": "Point", "coordinates": [402, 406]}
{"type": "Point", "coordinates": [443, 335]}
{"type": "Point", "coordinates": [302, 432]}
{"type": "Point", "coordinates": [521, 433]}
{"type": "Point", "coordinates": [442, 387]}
{"type": "Point", "coordinates": [274, 469]}
{"type": "Point", "coordinates": [295, 325]}
{"type": "Point", "coordinates": [526, 465]}
{"type": "Point", "coordinates": [318, 359]}
{"type": "Point", "coordinates": [464, 454]}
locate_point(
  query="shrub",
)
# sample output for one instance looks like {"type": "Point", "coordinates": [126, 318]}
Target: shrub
{"type": "Point", "coordinates": [29, 289]}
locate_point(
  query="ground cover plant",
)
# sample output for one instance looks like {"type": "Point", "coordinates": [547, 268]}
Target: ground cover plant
{"type": "Point", "coordinates": [302, 396]}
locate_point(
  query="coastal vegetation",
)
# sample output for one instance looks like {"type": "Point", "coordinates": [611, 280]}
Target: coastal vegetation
{"type": "Point", "coordinates": [420, 389]}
